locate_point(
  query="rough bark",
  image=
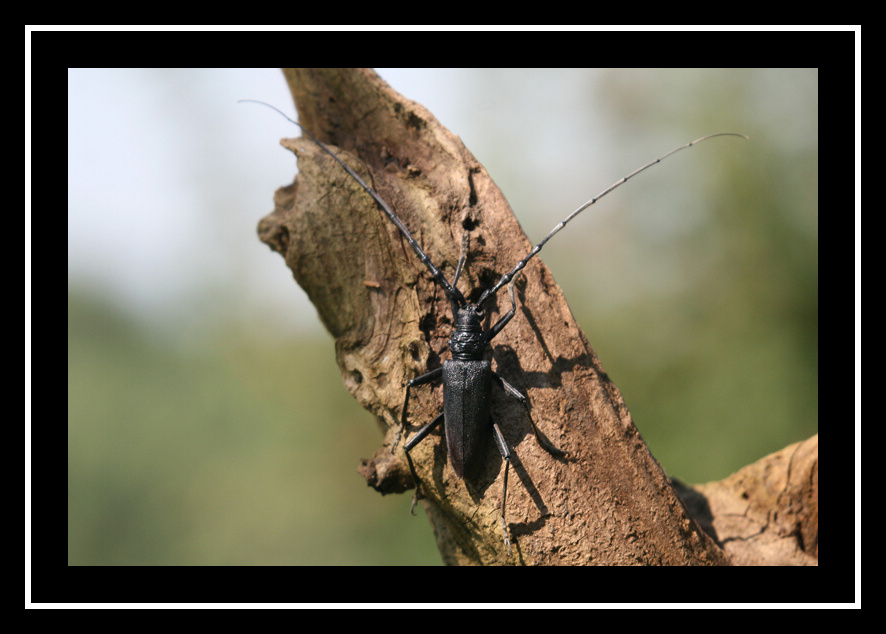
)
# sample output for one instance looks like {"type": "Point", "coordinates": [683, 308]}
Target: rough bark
{"type": "Point", "coordinates": [767, 512]}
{"type": "Point", "coordinates": [609, 501]}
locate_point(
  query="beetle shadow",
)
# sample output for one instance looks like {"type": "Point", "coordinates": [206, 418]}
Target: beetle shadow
{"type": "Point", "coordinates": [479, 491]}
{"type": "Point", "coordinates": [512, 417]}
{"type": "Point", "coordinates": [508, 364]}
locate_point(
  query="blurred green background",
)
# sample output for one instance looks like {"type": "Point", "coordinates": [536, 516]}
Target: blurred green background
{"type": "Point", "coordinates": [207, 421]}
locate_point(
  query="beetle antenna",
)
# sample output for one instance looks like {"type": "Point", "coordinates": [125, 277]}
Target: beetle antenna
{"type": "Point", "coordinates": [453, 293]}
{"type": "Point", "coordinates": [508, 276]}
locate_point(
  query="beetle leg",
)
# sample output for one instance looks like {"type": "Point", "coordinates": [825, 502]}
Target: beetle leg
{"type": "Point", "coordinates": [419, 380]}
{"type": "Point", "coordinates": [501, 323]}
{"type": "Point", "coordinates": [516, 394]}
{"type": "Point", "coordinates": [506, 454]}
{"type": "Point", "coordinates": [424, 431]}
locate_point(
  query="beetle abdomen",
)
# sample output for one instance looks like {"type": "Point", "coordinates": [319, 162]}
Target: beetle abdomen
{"type": "Point", "coordinates": [466, 392]}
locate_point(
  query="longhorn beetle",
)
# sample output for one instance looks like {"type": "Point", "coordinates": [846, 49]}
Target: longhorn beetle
{"type": "Point", "coordinates": [468, 376]}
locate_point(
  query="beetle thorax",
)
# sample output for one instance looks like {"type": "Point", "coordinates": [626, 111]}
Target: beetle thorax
{"type": "Point", "coordinates": [467, 340]}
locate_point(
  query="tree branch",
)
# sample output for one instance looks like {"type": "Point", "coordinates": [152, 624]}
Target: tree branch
{"type": "Point", "coordinates": [609, 502]}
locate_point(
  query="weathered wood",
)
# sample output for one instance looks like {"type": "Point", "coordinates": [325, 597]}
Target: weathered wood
{"type": "Point", "coordinates": [609, 502]}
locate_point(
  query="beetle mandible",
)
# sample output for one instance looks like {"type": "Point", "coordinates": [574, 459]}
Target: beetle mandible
{"type": "Point", "coordinates": [468, 376]}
